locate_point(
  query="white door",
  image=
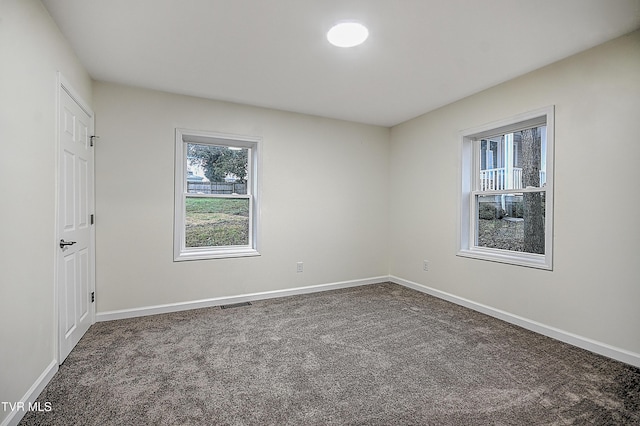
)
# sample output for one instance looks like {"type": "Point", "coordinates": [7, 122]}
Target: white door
{"type": "Point", "coordinates": [75, 246]}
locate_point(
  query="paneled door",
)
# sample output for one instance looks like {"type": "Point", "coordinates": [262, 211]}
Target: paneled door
{"type": "Point", "coordinates": [75, 242]}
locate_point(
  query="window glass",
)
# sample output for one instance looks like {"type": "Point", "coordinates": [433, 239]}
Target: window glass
{"type": "Point", "coordinates": [513, 160]}
{"type": "Point", "coordinates": [506, 192]}
{"type": "Point", "coordinates": [216, 196]}
{"type": "Point", "coordinates": [216, 222]}
{"type": "Point", "coordinates": [502, 222]}
{"type": "Point", "coordinates": [214, 169]}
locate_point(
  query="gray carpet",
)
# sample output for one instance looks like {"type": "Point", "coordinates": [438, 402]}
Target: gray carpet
{"type": "Point", "coordinates": [372, 355]}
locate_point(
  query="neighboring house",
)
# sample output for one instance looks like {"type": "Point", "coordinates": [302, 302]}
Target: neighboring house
{"type": "Point", "coordinates": [195, 178]}
{"type": "Point", "coordinates": [231, 178]}
{"type": "Point", "coordinates": [500, 162]}
{"type": "Point", "coordinates": [501, 166]}
{"type": "Point", "coordinates": [195, 171]}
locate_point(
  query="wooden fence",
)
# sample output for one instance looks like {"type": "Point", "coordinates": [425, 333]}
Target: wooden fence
{"type": "Point", "coordinates": [216, 188]}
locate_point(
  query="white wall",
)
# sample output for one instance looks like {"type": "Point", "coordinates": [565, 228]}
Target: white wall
{"type": "Point", "coordinates": [324, 200]}
{"type": "Point", "coordinates": [32, 51]}
{"type": "Point", "coordinates": [335, 195]}
{"type": "Point", "coordinates": [594, 289]}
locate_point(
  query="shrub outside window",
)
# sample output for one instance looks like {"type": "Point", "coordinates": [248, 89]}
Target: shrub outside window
{"type": "Point", "coordinates": [506, 199]}
{"type": "Point", "coordinates": [216, 200]}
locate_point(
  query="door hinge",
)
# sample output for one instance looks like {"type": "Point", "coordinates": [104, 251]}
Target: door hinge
{"type": "Point", "coordinates": [93, 296]}
{"type": "Point", "coordinates": [92, 219]}
{"type": "Point", "coordinates": [92, 138]}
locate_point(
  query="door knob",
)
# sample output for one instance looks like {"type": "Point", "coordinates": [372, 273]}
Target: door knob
{"type": "Point", "coordinates": [64, 243]}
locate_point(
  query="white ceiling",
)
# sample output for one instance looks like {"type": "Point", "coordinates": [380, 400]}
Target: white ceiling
{"type": "Point", "coordinates": [421, 54]}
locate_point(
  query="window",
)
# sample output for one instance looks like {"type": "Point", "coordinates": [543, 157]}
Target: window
{"type": "Point", "coordinates": [216, 197]}
{"type": "Point", "coordinates": [506, 198]}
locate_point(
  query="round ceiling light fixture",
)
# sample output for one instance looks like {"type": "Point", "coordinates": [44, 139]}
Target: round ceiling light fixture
{"type": "Point", "coordinates": [347, 34]}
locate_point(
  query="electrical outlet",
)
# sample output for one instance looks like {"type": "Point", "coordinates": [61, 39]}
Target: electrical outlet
{"type": "Point", "coordinates": [299, 267]}
{"type": "Point", "coordinates": [425, 265]}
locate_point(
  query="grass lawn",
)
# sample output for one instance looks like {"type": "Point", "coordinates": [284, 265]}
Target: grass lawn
{"type": "Point", "coordinates": [217, 222]}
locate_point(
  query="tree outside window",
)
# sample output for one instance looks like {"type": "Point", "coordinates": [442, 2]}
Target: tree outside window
{"type": "Point", "coordinates": [216, 196]}
{"type": "Point", "coordinates": [506, 196]}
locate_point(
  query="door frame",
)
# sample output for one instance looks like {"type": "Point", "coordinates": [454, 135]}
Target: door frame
{"type": "Point", "coordinates": [64, 85]}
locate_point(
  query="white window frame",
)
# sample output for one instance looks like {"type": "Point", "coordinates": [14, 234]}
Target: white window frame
{"type": "Point", "coordinates": [470, 184]}
{"type": "Point", "coordinates": [184, 137]}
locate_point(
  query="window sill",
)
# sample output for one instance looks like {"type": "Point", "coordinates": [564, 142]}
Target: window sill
{"type": "Point", "coordinates": [200, 254]}
{"type": "Point", "coordinates": [513, 258]}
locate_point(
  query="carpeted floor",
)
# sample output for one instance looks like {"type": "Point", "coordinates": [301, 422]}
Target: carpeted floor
{"type": "Point", "coordinates": [373, 355]}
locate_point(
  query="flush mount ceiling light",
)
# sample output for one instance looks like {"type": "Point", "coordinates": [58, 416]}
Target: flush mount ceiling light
{"type": "Point", "coordinates": [347, 34]}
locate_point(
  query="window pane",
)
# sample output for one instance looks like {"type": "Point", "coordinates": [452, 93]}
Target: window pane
{"type": "Point", "coordinates": [513, 160]}
{"type": "Point", "coordinates": [214, 169]}
{"type": "Point", "coordinates": [212, 222]}
{"type": "Point", "coordinates": [513, 222]}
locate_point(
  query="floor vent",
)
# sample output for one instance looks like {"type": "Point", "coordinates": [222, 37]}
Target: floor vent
{"type": "Point", "coordinates": [235, 305]}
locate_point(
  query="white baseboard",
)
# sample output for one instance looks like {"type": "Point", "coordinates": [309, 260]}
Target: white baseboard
{"type": "Point", "coordinates": [217, 301]}
{"type": "Point", "coordinates": [32, 394]}
{"type": "Point", "coordinates": [618, 354]}
{"type": "Point", "coordinates": [555, 333]}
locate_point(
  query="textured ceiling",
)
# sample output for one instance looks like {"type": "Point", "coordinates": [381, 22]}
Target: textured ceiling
{"type": "Point", "coordinates": [421, 54]}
